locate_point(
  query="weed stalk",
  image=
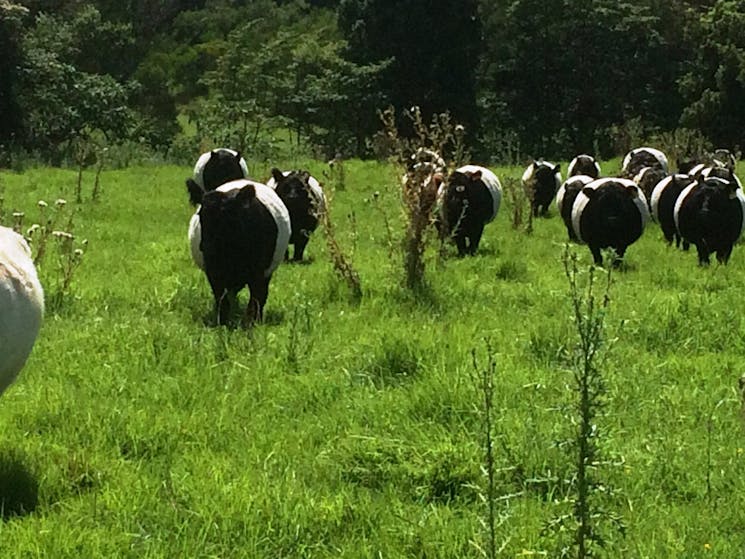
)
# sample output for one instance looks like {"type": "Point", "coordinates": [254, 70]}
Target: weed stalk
{"type": "Point", "coordinates": [589, 312]}
{"type": "Point", "coordinates": [341, 262]}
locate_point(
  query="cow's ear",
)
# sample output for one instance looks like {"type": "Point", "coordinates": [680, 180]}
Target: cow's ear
{"type": "Point", "coordinates": [557, 168]}
{"type": "Point", "coordinates": [475, 176]}
{"type": "Point", "coordinates": [247, 193]}
{"type": "Point", "coordinates": [195, 192]}
{"type": "Point", "coordinates": [632, 190]}
{"type": "Point", "coordinates": [277, 175]}
{"type": "Point", "coordinates": [589, 192]}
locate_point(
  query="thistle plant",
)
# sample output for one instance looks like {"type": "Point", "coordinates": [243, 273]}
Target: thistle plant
{"type": "Point", "coordinates": [335, 175]}
{"type": "Point", "coordinates": [52, 233]}
{"type": "Point", "coordinates": [341, 261]}
{"type": "Point", "coordinates": [588, 492]}
{"type": "Point", "coordinates": [520, 202]}
{"type": "Point", "coordinates": [419, 185]}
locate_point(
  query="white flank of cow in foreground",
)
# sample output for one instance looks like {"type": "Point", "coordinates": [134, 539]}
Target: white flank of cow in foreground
{"type": "Point", "coordinates": [21, 305]}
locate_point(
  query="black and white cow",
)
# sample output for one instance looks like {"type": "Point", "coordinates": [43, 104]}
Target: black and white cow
{"type": "Point", "coordinates": [469, 199]}
{"type": "Point", "coordinates": [214, 168]}
{"type": "Point", "coordinates": [566, 196]}
{"type": "Point", "coordinates": [427, 159]}
{"type": "Point", "coordinates": [238, 236]}
{"type": "Point", "coordinates": [639, 158]}
{"type": "Point", "coordinates": [584, 164]}
{"type": "Point", "coordinates": [702, 171]}
{"type": "Point", "coordinates": [709, 214]}
{"type": "Point", "coordinates": [303, 196]}
{"type": "Point", "coordinates": [21, 305]}
{"type": "Point", "coordinates": [722, 157]}
{"type": "Point", "coordinates": [662, 202]}
{"type": "Point", "coordinates": [609, 213]}
{"type": "Point", "coordinates": [647, 178]}
{"type": "Point", "coordinates": [541, 180]}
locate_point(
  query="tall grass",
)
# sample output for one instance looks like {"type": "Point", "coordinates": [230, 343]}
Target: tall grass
{"type": "Point", "coordinates": [353, 430]}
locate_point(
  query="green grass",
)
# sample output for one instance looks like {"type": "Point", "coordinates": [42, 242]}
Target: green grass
{"type": "Point", "coordinates": [352, 429]}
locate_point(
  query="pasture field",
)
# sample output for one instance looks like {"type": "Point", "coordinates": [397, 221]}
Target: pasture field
{"type": "Point", "coordinates": [343, 428]}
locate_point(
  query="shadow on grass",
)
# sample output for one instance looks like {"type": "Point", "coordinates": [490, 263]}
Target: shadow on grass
{"type": "Point", "coordinates": [272, 317]}
{"type": "Point", "coordinates": [306, 261]}
{"type": "Point", "coordinates": [19, 488]}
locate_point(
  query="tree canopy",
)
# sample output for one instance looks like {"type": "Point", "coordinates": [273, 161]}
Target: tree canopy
{"type": "Point", "coordinates": [553, 79]}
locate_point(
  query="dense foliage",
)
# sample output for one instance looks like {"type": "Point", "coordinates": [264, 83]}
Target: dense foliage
{"type": "Point", "coordinates": [524, 79]}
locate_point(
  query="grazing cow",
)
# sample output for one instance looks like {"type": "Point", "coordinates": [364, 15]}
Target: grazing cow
{"type": "Point", "coordinates": [470, 198]}
{"type": "Point", "coordinates": [428, 159]}
{"type": "Point", "coordinates": [609, 213]}
{"type": "Point", "coordinates": [647, 178]}
{"type": "Point", "coordinates": [423, 167]}
{"type": "Point", "coordinates": [709, 214]}
{"type": "Point", "coordinates": [638, 158]}
{"type": "Point", "coordinates": [584, 165]}
{"type": "Point", "coordinates": [214, 168]}
{"type": "Point", "coordinates": [239, 235]}
{"type": "Point", "coordinates": [566, 196]}
{"type": "Point", "coordinates": [662, 202]}
{"type": "Point", "coordinates": [21, 305]}
{"type": "Point", "coordinates": [724, 158]}
{"type": "Point", "coordinates": [303, 196]}
{"type": "Point", "coordinates": [702, 172]}
{"type": "Point", "coordinates": [541, 179]}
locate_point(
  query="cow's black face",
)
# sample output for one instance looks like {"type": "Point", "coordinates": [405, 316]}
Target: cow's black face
{"type": "Point", "coordinates": [221, 167]}
{"type": "Point", "coordinates": [293, 187]}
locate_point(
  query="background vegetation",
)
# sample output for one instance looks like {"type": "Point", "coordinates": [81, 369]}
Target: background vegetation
{"type": "Point", "coordinates": [527, 78]}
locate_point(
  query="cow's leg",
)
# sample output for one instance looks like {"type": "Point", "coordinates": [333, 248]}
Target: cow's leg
{"type": "Point", "coordinates": [723, 254]}
{"type": "Point", "coordinates": [703, 253]}
{"type": "Point", "coordinates": [259, 288]}
{"type": "Point", "coordinates": [222, 301]}
{"type": "Point", "coordinates": [597, 256]}
{"type": "Point", "coordinates": [460, 242]}
{"type": "Point", "coordinates": [300, 248]}
{"type": "Point", "coordinates": [476, 233]}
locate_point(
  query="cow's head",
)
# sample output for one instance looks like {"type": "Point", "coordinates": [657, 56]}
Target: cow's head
{"type": "Point", "coordinates": [294, 185]}
{"type": "Point", "coordinates": [213, 169]}
{"type": "Point", "coordinates": [222, 166]}
{"type": "Point", "coordinates": [461, 185]}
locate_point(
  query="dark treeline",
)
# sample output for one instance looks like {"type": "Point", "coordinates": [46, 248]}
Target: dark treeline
{"type": "Point", "coordinates": [526, 77]}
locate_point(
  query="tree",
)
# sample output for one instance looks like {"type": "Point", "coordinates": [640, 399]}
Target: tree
{"type": "Point", "coordinates": [59, 101]}
{"type": "Point", "coordinates": [432, 49]}
{"type": "Point", "coordinates": [288, 71]}
{"type": "Point", "coordinates": [11, 17]}
{"type": "Point", "coordinates": [714, 86]}
{"type": "Point", "coordinates": [560, 78]}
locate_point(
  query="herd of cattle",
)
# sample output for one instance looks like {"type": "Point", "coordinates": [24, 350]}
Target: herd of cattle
{"type": "Point", "coordinates": [241, 229]}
